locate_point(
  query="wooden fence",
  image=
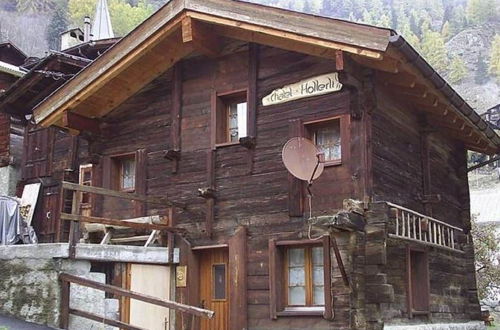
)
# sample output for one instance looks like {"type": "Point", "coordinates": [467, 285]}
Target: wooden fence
{"type": "Point", "coordinates": [413, 226]}
{"type": "Point", "coordinates": [67, 279]}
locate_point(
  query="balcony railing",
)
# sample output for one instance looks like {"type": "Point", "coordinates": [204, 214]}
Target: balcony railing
{"type": "Point", "coordinates": [414, 226]}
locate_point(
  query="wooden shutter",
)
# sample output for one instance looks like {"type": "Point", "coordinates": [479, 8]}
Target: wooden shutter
{"type": "Point", "coordinates": [140, 180]}
{"type": "Point", "coordinates": [275, 279]}
{"type": "Point", "coordinates": [327, 264]}
{"type": "Point", "coordinates": [238, 278]}
{"type": "Point", "coordinates": [295, 186]}
{"type": "Point", "coordinates": [38, 147]}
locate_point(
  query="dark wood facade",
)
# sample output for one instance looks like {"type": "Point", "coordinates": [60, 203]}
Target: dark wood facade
{"type": "Point", "coordinates": [162, 111]}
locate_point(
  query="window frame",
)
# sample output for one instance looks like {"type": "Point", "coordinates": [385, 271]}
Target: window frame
{"type": "Point", "coordinates": [344, 121]}
{"type": "Point", "coordinates": [226, 288]}
{"type": "Point", "coordinates": [308, 267]}
{"type": "Point", "coordinates": [424, 281]}
{"type": "Point", "coordinates": [278, 279]}
{"type": "Point", "coordinates": [117, 168]}
{"type": "Point", "coordinates": [220, 102]}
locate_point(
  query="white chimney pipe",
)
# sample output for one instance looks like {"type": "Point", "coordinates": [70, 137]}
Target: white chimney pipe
{"type": "Point", "coordinates": [86, 29]}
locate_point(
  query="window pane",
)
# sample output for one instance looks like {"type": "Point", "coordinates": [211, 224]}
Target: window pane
{"type": "Point", "coordinates": [237, 121]}
{"type": "Point", "coordinates": [296, 276]}
{"type": "Point", "coordinates": [296, 257]}
{"type": "Point", "coordinates": [128, 174]}
{"type": "Point", "coordinates": [219, 278]}
{"type": "Point", "coordinates": [297, 296]}
{"type": "Point", "coordinates": [319, 295]}
{"type": "Point", "coordinates": [327, 139]}
{"type": "Point", "coordinates": [317, 255]}
{"type": "Point", "coordinates": [318, 277]}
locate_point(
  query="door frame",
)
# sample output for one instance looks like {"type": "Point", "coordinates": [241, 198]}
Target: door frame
{"type": "Point", "coordinates": [237, 272]}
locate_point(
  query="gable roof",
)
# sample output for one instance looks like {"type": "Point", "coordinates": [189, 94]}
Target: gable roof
{"type": "Point", "coordinates": [11, 54]}
{"type": "Point", "coordinates": [182, 26]}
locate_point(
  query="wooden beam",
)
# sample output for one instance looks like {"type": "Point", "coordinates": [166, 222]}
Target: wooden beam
{"type": "Point", "coordinates": [119, 194]}
{"type": "Point", "coordinates": [386, 65]}
{"type": "Point", "coordinates": [119, 223]}
{"type": "Point", "coordinates": [136, 295]}
{"type": "Point", "coordinates": [416, 91]}
{"type": "Point", "coordinates": [199, 35]}
{"type": "Point", "coordinates": [80, 123]}
{"type": "Point", "coordinates": [400, 79]}
{"type": "Point", "coordinates": [175, 133]}
{"type": "Point", "coordinates": [279, 38]}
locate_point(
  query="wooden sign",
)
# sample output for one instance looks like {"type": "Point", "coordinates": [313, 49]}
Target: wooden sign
{"type": "Point", "coordinates": [324, 84]}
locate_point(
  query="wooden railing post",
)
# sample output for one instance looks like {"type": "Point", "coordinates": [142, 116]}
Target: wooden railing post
{"type": "Point", "coordinates": [64, 310]}
{"type": "Point", "coordinates": [74, 229]}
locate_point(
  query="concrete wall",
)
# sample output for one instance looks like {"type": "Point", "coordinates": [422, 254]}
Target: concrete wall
{"type": "Point", "coordinates": [29, 287]}
{"type": "Point", "coordinates": [8, 180]}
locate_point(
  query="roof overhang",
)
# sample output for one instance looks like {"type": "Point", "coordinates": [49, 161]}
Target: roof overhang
{"type": "Point", "coordinates": [183, 26]}
{"type": "Point", "coordinates": [11, 69]}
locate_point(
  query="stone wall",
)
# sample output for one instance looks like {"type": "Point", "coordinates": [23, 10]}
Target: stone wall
{"type": "Point", "coordinates": [8, 180]}
{"type": "Point", "coordinates": [29, 287]}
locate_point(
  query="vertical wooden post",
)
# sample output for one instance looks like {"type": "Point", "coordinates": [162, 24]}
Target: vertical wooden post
{"type": "Point", "coordinates": [238, 280]}
{"type": "Point", "coordinates": [210, 201]}
{"type": "Point", "coordinates": [295, 186]}
{"type": "Point", "coordinates": [74, 229]}
{"type": "Point", "coordinates": [175, 133]}
{"type": "Point", "coordinates": [170, 236]}
{"type": "Point", "coordinates": [64, 307]}
{"type": "Point", "coordinates": [252, 99]}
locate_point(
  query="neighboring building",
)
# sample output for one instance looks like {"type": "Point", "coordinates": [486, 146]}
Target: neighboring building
{"type": "Point", "coordinates": [188, 114]}
{"type": "Point", "coordinates": [11, 59]}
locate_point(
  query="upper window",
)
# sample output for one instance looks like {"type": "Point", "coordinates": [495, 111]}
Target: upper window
{"type": "Point", "coordinates": [124, 168]}
{"type": "Point", "coordinates": [231, 118]}
{"type": "Point", "coordinates": [327, 135]}
{"type": "Point", "coordinates": [86, 180]}
{"type": "Point", "coordinates": [305, 276]}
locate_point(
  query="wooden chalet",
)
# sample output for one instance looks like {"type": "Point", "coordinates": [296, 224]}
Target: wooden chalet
{"type": "Point", "coordinates": [11, 58]}
{"type": "Point", "coordinates": [188, 115]}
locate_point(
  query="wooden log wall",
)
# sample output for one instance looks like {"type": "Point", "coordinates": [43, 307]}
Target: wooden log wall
{"type": "Point", "coordinates": [398, 172]}
{"type": "Point", "coordinates": [450, 285]}
{"type": "Point", "coordinates": [258, 200]}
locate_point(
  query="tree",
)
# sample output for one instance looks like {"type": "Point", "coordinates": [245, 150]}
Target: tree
{"type": "Point", "coordinates": [34, 6]}
{"type": "Point", "coordinates": [58, 24]}
{"type": "Point", "coordinates": [434, 50]}
{"type": "Point", "coordinates": [481, 70]}
{"type": "Point", "coordinates": [494, 68]}
{"type": "Point", "coordinates": [124, 17]}
{"type": "Point", "coordinates": [458, 70]}
{"type": "Point", "coordinates": [481, 11]}
{"type": "Point", "coordinates": [487, 248]}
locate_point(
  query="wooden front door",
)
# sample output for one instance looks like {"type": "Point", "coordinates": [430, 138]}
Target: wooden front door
{"type": "Point", "coordinates": [153, 280]}
{"type": "Point", "coordinates": [214, 290]}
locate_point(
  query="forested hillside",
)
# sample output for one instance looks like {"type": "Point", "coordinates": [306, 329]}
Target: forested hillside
{"type": "Point", "coordinates": [460, 38]}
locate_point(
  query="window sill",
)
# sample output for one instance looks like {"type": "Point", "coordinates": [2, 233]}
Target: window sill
{"type": "Point", "coordinates": [227, 144]}
{"type": "Point", "coordinates": [302, 311]}
{"type": "Point", "coordinates": [332, 163]}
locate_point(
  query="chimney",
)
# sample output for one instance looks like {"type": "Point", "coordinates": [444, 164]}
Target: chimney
{"type": "Point", "coordinates": [86, 29]}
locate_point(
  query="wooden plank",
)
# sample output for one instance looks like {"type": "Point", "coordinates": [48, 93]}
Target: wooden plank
{"type": "Point", "coordinates": [141, 182]}
{"type": "Point", "coordinates": [327, 266]}
{"type": "Point", "coordinates": [135, 295]}
{"type": "Point", "coordinates": [400, 79]}
{"type": "Point", "coordinates": [210, 202]}
{"type": "Point", "coordinates": [293, 23]}
{"type": "Point", "coordinates": [386, 65]}
{"type": "Point", "coordinates": [74, 229]}
{"type": "Point", "coordinates": [275, 279]}
{"type": "Point", "coordinates": [118, 194]}
{"type": "Point", "coordinates": [238, 318]}
{"type": "Point", "coordinates": [198, 34]}
{"type": "Point", "coordinates": [80, 123]}
{"type": "Point", "coordinates": [175, 132]}
{"type": "Point", "coordinates": [295, 186]}
{"type": "Point", "coordinates": [103, 319]}
{"type": "Point", "coordinates": [119, 223]}
{"type": "Point", "coordinates": [64, 307]}
{"type": "Point", "coordinates": [140, 238]}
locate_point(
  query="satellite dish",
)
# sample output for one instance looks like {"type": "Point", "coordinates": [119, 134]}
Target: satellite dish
{"type": "Point", "coordinates": [302, 159]}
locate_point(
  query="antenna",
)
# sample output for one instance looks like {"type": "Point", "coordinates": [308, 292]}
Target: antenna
{"type": "Point", "coordinates": [304, 161]}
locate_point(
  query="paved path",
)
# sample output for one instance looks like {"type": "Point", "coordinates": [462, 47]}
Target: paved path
{"type": "Point", "coordinates": [9, 323]}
